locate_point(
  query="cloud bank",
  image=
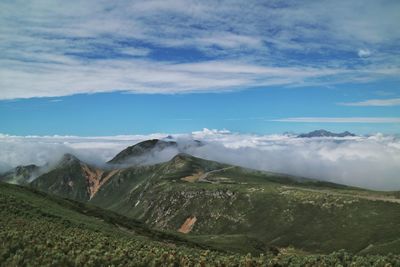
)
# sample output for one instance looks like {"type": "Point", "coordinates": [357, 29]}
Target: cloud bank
{"type": "Point", "coordinates": [367, 161]}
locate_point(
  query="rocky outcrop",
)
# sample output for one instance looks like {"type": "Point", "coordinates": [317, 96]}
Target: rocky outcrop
{"type": "Point", "coordinates": [95, 178]}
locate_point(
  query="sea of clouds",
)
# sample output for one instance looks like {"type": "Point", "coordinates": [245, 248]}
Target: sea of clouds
{"type": "Point", "coordinates": [366, 161]}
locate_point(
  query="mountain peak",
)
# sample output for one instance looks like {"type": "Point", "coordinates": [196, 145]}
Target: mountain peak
{"type": "Point", "coordinates": [182, 157]}
{"type": "Point", "coordinates": [141, 149]}
{"type": "Point", "coordinates": [68, 159]}
{"type": "Point", "coordinates": [21, 169]}
{"type": "Point", "coordinates": [325, 133]}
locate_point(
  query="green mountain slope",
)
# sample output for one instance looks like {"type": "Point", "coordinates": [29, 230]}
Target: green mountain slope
{"type": "Point", "coordinates": [209, 198]}
{"type": "Point", "coordinates": [204, 198]}
{"type": "Point", "coordinates": [73, 179]}
{"type": "Point", "coordinates": [42, 230]}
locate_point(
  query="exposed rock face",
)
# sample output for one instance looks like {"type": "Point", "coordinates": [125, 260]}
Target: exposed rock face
{"type": "Point", "coordinates": [95, 178]}
{"type": "Point", "coordinates": [187, 226]}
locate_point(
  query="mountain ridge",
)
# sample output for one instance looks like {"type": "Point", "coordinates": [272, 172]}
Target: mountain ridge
{"type": "Point", "coordinates": [325, 133]}
{"type": "Point", "coordinates": [140, 149]}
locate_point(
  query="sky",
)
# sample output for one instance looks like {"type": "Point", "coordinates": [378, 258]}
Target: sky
{"type": "Point", "coordinates": [102, 68]}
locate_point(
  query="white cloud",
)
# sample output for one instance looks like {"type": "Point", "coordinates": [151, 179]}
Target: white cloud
{"type": "Point", "coordinates": [139, 76]}
{"type": "Point", "coordinates": [364, 53]}
{"type": "Point", "coordinates": [23, 150]}
{"type": "Point", "coordinates": [365, 161]}
{"type": "Point", "coordinates": [61, 48]}
{"type": "Point", "coordinates": [374, 103]}
{"type": "Point", "coordinates": [341, 120]}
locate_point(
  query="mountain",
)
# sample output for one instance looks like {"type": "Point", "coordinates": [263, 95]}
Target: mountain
{"type": "Point", "coordinates": [141, 149]}
{"type": "Point", "coordinates": [235, 207]}
{"type": "Point", "coordinates": [324, 133]}
{"type": "Point", "coordinates": [21, 174]}
{"type": "Point", "coordinates": [72, 178]}
{"type": "Point", "coordinates": [152, 151]}
{"type": "Point", "coordinates": [202, 197]}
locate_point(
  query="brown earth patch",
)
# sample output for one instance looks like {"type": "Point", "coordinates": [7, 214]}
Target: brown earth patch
{"type": "Point", "coordinates": [95, 179]}
{"type": "Point", "coordinates": [187, 226]}
{"type": "Point", "coordinates": [193, 178]}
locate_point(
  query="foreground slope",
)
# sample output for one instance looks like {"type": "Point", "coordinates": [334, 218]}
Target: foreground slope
{"type": "Point", "coordinates": [38, 229]}
{"type": "Point", "coordinates": [41, 230]}
{"type": "Point", "coordinates": [201, 197]}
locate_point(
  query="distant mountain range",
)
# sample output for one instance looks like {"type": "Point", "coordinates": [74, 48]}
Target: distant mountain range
{"type": "Point", "coordinates": [193, 195]}
{"type": "Point", "coordinates": [324, 133]}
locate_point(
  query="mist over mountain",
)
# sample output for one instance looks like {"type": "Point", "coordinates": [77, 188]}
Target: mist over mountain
{"type": "Point", "coordinates": [366, 161]}
{"type": "Point", "coordinates": [153, 151]}
{"type": "Point", "coordinates": [22, 174]}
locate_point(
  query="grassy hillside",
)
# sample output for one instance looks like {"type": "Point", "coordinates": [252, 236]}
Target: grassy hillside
{"type": "Point", "coordinates": [72, 178]}
{"type": "Point", "coordinates": [209, 198]}
{"type": "Point", "coordinates": [66, 180]}
{"type": "Point", "coordinates": [42, 230]}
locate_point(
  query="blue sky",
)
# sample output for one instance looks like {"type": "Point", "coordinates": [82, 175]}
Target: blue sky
{"type": "Point", "coordinates": [132, 67]}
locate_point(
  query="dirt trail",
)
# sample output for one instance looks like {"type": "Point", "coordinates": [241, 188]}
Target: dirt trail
{"type": "Point", "coordinates": [192, 178]}
{"type": "Point", "coordinates": [353, 194]}
{"type": "Point", "coordinates": [203, 178]}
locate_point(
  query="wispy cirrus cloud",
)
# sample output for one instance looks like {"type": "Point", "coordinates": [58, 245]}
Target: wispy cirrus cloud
{"type": "Point", "coordinates": [52, 48]}
{"type": "Point", "coordinates": [340, 120]}
{"type": "Point", "coordinates": [374, 103]}
{"type": "Point", "coordinates": [142, 76]}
